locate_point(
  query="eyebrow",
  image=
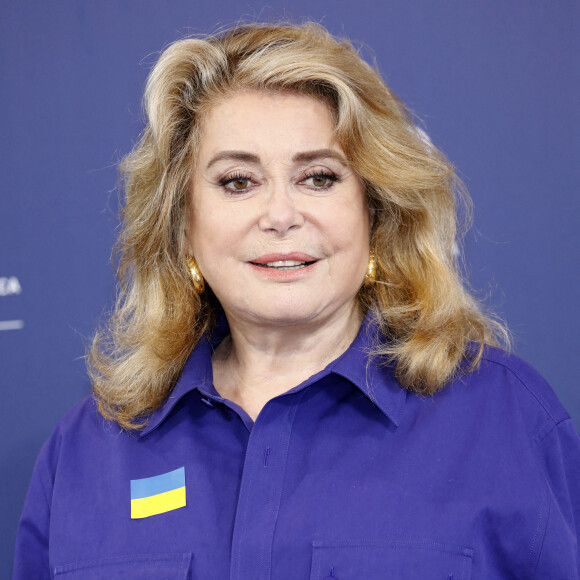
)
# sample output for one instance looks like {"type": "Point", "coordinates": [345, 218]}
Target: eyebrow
{"type": "Point", "coordinates": [307, 156]}
{"type": "Point", "coordinates": [303, 157]}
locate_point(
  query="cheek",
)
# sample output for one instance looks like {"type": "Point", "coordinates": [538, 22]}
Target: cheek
{"type": "Point", "coordinates": [203, 225]}
{"type": "Point", "coordinates": [216, 238]}
{"type": "Point", "coordinates": [353, 228]}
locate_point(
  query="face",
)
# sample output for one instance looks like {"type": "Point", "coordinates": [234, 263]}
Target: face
{"type": "Point", "coordinates": [279, 224]}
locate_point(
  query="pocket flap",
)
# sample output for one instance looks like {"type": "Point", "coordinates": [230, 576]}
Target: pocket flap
{"type": "Point", "coordinates": [392, 559]}
{"type": "Point", "coordinates": [137, 566]}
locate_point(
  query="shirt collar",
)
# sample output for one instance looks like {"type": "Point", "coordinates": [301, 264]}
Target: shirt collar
{"type": "Point", "coordinates": [368, 373]}
{"type": "Point", "coordinates": [196, 374]}
{"type": "Point", "coordinates": [371, 374]}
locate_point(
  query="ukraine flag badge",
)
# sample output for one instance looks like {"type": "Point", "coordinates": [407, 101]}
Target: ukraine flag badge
{"type": "Point", "coordinates": [159, 494]}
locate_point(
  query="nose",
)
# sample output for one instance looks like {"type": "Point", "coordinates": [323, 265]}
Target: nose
{"type": "Point", "coordinates": [280, 212]}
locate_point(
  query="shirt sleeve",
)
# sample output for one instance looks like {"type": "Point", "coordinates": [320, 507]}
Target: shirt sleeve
{"type": "Point", "coordinates": [31, 553]}
{"type": "Point", "coordinates": [559, 556]}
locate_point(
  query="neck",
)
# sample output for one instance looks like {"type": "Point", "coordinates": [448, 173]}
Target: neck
{"type": "Point", "coordinates": [258, 362]}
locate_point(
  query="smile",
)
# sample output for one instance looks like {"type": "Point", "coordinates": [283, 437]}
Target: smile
{"type": "Point", "coordinates": [285, 264]}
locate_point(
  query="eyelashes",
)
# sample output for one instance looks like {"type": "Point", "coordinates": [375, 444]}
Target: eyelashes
{"type": "Point", "coordinates": [236, 182]}
{"type": "Point", "coordinates": [328, 179]}
{"type": "Point", "coordinates": [318, 180]}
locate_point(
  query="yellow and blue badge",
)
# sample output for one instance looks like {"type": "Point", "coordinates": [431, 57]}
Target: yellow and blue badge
{"type": "Point", "coordinates": [159, 494]}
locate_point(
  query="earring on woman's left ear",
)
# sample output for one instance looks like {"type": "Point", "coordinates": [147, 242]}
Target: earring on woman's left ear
{"type": "Point", "coordinates": [197, 278]}
{"type": "Point", "coordinates": [371, 274]}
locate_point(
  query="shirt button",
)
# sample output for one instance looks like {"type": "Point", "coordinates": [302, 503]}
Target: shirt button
{"type": "Point", "coordinates": [207, 402]}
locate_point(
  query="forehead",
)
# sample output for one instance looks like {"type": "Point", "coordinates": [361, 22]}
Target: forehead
{"type": "Point", "coordinates": [275, 121]}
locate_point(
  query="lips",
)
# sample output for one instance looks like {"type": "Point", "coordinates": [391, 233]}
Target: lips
{"type": "Point", "coordinates": [293, 261]}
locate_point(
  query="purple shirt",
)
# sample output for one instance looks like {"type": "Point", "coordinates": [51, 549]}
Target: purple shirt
{"type": "Point", "coordinates": [345, 477]}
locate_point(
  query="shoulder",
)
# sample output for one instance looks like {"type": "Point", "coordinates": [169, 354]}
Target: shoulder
{"type": "Point", "coordinates": [85, 410]}
{"type": "Point", "coordinates": [555, 445]}
{"type": "Point", "coordinates": [78, 434]}
{"type": "Point", "coordinates": [83, 420]}
{"type": "Point", "coordinates": [504, 370]}
{"type": "Point", "coordinates": [503, 396]}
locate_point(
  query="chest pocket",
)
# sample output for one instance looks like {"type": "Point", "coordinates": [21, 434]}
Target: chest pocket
{"type": "Point", "coordinates": [138, 567]}
{"type": "Point", "coordinates": [389, 559]}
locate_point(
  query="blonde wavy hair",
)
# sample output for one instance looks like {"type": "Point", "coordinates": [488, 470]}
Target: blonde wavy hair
{"type": "Point", "coordinates": [428, 318]}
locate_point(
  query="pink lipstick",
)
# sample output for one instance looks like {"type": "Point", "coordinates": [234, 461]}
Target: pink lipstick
{"type": "Point", "coordinates": [284, 267]}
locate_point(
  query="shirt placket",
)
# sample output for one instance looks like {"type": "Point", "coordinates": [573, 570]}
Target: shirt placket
{"type": "Point", "coordinates": [261, 490]}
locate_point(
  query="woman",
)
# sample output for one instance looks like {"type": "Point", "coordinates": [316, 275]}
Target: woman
{"type": "Point", "coordinates": [289, 295]}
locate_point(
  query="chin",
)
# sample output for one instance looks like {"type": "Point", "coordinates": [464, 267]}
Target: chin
{"type": "Point", "coordinates": [284, 318]}
{"type": "Point", "coordinates": [284, 314]}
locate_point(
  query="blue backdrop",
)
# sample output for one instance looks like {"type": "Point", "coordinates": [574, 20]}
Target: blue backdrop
{"type": "Point", "coordinates": [496, 84]}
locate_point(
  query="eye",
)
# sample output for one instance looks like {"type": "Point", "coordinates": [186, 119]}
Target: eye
{"type": "Point", "coordinates": [236, 183]}
{"type": "Point", "coordinates": [239, 184]}
{"type": "Point", "coordinates": [320, 180]}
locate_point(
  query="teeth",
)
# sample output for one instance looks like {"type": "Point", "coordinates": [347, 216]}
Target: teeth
{"type": "Point", "coordinates": [284, 264]}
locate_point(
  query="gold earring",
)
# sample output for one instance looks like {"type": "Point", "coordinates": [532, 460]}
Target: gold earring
{"type": "Point", "coordinates": [371, 274]}
{"type": "Point", "coordinates": [198, 283]}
